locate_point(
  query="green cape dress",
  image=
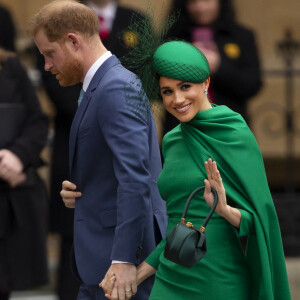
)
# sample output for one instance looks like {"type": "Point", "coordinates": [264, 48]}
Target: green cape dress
{"type": "Point", "coordinates": [225, 272]}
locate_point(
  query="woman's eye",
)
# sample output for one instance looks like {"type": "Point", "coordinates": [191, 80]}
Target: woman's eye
{"type": "Point", "coordinates": [167, 92]}
{"type": "Point", "coordinates": [185, 86]}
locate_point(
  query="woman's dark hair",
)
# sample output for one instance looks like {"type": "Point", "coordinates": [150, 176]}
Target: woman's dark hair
{"type": "Point", "coordinates": [226, 14]}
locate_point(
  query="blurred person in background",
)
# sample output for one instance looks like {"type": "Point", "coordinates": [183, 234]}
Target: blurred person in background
{"type": "Point", "coordinates": [113, 21]}
{"type": "Point", "coordinates": [60, 217]}
{"type": "Point", "coordinates": [7, 30]}
{"type": "Point", "coordinates": [23, 196]}
{"type": "Point", "coordinates": [230, 48]}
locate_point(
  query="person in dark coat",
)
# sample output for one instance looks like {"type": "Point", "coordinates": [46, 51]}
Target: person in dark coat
{"type": "Point", "coordinates": [229, 47]}
{"type": "Point", "coordinates": [114, 20]}
{"type": "Point", "coordinates": [23, 195]}
{"type": "Point", "coordinates": [7, 30]}
{"type": "Point", "coordinates": [60, 217]}
{"type": "Point", "coordinates": [118, 41]}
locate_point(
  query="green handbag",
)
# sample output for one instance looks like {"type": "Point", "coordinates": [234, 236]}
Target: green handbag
{"type": "Point", "coordinates": [185, 244]}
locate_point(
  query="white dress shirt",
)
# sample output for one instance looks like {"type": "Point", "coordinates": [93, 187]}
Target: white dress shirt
{"type": "Point", "coordinates": [93, 69]}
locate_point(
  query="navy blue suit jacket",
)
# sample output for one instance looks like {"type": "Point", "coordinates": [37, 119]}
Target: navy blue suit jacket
{"type": "Point", "coordinates": [115, 162]}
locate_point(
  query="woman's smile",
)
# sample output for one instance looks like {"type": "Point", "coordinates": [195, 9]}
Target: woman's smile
{"type": "Point", "coordinates": [183, 109]}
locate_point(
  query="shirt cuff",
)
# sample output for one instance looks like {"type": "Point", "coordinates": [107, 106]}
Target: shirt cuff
{"type": "Point", "coordinates": [119, 262]}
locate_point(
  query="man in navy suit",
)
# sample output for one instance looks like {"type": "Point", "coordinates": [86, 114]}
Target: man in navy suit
{"type": "Point", "coordinates": [114, 36]}
{"type": "Point", "coordinates": [114, 153]}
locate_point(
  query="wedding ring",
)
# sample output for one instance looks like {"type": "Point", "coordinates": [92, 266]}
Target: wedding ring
{"type": "Point", "coordinates": [127, 290]}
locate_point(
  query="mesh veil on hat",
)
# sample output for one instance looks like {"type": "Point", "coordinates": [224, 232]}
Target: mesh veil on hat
{"type": "Point", "coordinates": [180, 60]}
{"type": "Point", "coordinates": [153, 55]}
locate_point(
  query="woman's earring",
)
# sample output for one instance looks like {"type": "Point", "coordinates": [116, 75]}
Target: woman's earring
{"type": "Point", "coordinates": [205, 92]}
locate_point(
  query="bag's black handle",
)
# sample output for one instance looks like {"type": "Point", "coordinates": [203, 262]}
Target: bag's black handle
{"type": "Point", "coordinates": [212, 208]}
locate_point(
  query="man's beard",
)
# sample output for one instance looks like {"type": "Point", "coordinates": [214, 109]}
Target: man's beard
{"type": "Point", "coordinates": [71, 73]}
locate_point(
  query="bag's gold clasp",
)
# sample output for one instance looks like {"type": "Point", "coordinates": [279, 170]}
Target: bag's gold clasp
{"type": "Point", "coordinates": [182, 220]}
{"type": "Point", "coordinates": [202, 229]}
{"type": "Point", "coordinates": [189, 224]}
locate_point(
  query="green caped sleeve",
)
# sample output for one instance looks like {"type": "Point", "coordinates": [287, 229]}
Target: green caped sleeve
{"type": "Point", "coordinates": [153, 258]}
{"type": "Point", "coordinates": [246, 225]}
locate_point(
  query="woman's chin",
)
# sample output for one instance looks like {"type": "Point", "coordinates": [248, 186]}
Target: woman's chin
{"type": "Point", "coordinates": [184, 117]}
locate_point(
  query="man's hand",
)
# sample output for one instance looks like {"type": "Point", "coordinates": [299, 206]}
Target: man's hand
{"type": "Point", "coordinates": [11, 168]}
{"type": "Point", "coordinates": [125, 285]}
{"type": "Point", "coordinates": [69, 194]}
{"type": "Point", "coordinates": [17, 180]}
{"type": "Point", "coordinates": [10, 162]}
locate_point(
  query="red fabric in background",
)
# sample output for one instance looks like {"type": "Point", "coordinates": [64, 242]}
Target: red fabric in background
{"type": "Point", "coordinates": [103, 32]}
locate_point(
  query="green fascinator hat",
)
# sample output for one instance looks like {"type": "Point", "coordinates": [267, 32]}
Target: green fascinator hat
{"type": "Point", "coordinates": [153, 56]}
{"type": "Point", "coordinates": [182, 61]}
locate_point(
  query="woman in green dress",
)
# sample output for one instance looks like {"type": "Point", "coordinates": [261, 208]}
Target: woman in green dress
{"type": "Point", "coordinates": [207, 134]}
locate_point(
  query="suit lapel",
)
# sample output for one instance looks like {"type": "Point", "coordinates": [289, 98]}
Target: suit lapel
{"type": "Point", "coordinates": [109, 63]}
{"type": "Point", "coordinates": [75, 126]}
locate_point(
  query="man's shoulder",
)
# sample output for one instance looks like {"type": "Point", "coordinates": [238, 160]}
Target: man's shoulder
{"type": "Point", "coordinates": [120, 88]}
{"type": "Point", "coordinates": [110, 71]}
{"type": "Point", "coordinates": [117, 74]}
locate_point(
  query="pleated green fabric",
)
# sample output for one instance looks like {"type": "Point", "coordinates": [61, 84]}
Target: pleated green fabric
{"type": "Point", "coordinates": [225, 272]}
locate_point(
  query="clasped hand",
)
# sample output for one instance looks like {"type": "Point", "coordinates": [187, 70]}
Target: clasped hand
{"type": "Point", "coordinates": [120, 282]}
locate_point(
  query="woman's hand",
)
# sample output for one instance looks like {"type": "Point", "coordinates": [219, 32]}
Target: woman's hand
{"type": "Point", "coordinates": [107, 284]}
{"type": "Point", "coordinates": [214, 180]}
{"type": "Point", "coordinates": [231, 214]}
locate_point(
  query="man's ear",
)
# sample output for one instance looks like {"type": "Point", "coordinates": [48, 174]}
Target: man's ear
{"type": "Point", "coordinates": [73, 40]}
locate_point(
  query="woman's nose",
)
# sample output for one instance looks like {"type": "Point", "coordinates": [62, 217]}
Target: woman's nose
{"type": "Point", "coordinates": [179, 99]}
